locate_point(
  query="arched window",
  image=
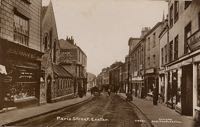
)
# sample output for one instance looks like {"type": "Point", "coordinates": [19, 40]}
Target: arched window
{"type": "Point", "coordinates": [54, 52]}
{"type": "Point", "coordinates": [45, 41]}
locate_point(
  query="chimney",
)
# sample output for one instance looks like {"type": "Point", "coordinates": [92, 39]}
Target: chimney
{"type": "Point", "coordinates": [70, 40]}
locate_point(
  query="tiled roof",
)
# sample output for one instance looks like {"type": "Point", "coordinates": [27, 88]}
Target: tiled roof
{"type": "Point", "coordinates": [60, 71]}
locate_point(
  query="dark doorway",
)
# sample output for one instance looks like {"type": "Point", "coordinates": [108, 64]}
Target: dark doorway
{"type": "Point", "coordinates": [49, 81]}
{"type": "Point", "coordinates": [187, 90]}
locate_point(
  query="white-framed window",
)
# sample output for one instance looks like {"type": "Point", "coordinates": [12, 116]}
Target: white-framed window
{"type": "Point", "coordinates": [21, 30]}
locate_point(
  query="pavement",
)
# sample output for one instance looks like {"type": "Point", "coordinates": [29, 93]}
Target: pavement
{"type": "Point", "coordinates": [30, 112]}
{"type": "Point", "coordinates": [160, 115]}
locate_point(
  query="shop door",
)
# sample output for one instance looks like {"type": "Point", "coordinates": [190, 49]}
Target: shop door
{"type": "Point", "coordinates": [187, 90]}
{"type": "Point", "coordinates": [49, 80]}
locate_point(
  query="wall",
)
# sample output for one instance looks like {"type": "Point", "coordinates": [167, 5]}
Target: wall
{"type": "Point", "coordinates": [185, 16]}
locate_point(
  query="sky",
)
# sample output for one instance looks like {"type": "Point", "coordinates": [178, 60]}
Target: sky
{"type": "Point", "coordinates": [102, 28]}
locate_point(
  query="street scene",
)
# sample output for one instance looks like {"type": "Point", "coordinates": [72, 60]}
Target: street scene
{"type": "Point", "coordinates": [100, 63]}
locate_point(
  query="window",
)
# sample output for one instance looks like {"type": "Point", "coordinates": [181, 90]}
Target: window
{"type": "Point", "coordinates": [154, 39]}
{"type": "Point", "coordinates": [54, 52]}
{"type": "Point", "coordinates": [171, 16]}
{"type": "Point", "coordinates": [171, 51]}
{"type": "Point", "coordinates": [176, 11]}
{"type": "Point", "coordinates": [21, 30]}
{"type": "Point", "coordinates": [148, 60]}
{"type": "Point", "coordinates": [50, 39]}
{"type": "Point", "coordinates": [187, 3]}
{"type": "Point", "coordinates": [45, 41]}
{"type": "Point", "coordinates": [166, 53]}
{"type": "Point", "coordinates": [148, 43]}
{"type": "Point", "coordinates": [176, 47]}
{"type": "Point", "coordinates": [154, 60]}
{"type": "Point", "coordinates": [162, 57]}
{"type": "Point", "coordinates": [199, 19]}
{"type": "Point", "coordinates": [188, 32]}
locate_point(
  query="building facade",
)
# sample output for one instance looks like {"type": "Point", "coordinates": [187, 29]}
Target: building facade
{"type": "Point", "coordinates": [114, 76]}
{"type": "Point", "coordinates": [49, 45]}
{"type": "Point", "coordinates": [182, 67]}
{"type": "Point", "coordinates": [20, 51]}
{"type": "Point", "coordinates": [74, 60]}
{"type": "Point", "coordinates": [151, 59]}
{"type": "Point", "coordinates": [137, 68]}
{"type": "Point", "coordinates": [90, 80]}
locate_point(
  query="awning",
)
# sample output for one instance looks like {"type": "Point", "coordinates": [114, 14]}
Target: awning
{"type": "Point", "coordinates": [3, 70]}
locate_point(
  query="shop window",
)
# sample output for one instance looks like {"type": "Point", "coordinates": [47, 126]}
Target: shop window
{"type": "Point", "coordinates": [171, 51]}
{"type": "Point", "coordinates": [176, 11]}
{"type": "Point", "coordinates": [198, 85]}
{"type": "Point", "coordinates": [171, 16]}
{"type": "Point", "coordinates": [176, 47]}
{"type": "Point", "coordinates": [188, 32]}
{"type": "Point", "coordinates": [21, 30]}
{"type": "Point", "coordinates": [187, 3]}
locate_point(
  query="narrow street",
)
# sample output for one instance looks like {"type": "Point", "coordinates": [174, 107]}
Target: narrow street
{"type": "Point", "coordinates": [102, 111]}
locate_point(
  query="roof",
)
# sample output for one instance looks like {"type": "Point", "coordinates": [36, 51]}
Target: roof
{"type": "Point", "coordinates": [60, 71]}
{"type": "Point", "coordinates": [70, 70]}
{"type": "Point", "coordinates": [64, 44]}
{"type": "Point", "coordinates": [44, 10]}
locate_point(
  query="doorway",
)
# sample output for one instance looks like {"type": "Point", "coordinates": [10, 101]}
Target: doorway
{"type": "Point", "coordinates": [187, 90]}
{"type": "Point", "coordinates": [49, 81]}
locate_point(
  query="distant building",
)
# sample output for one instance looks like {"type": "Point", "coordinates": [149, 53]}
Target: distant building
{"type": "Point", "coordinates": [91, 80]}
{"type": "Point", "coordinates": [136, 73]}
{"type": "Point", "coordinates": [114, 76]}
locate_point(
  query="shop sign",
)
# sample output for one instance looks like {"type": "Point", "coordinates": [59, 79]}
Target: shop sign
{"type": "Point", "coordinates": [26, 76]}
{"type": "Point", "coordinates": [194, 41]}
{"type": "Point", "coordinates": [149, 71]}
{"type": "Point", "coordinates": [21, 52]}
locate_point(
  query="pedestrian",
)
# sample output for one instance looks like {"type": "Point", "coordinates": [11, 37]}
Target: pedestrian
{"type": "Point", "coordinates": [108, 92]}
{"type": "Point", "coordinates": [155, 95]}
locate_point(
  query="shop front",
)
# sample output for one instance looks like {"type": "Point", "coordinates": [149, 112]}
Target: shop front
{"type": "Point", "coordinates": [23, 69]}
{"type": "Point", "coordinates": [150, 79]}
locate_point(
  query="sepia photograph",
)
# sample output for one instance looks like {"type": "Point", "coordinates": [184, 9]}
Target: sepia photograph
{"type": "Point", "coordinates": [99, 63]}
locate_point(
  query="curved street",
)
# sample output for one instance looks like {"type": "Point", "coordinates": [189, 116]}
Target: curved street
{"type": "Point", "coordinates": [101, 111]}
